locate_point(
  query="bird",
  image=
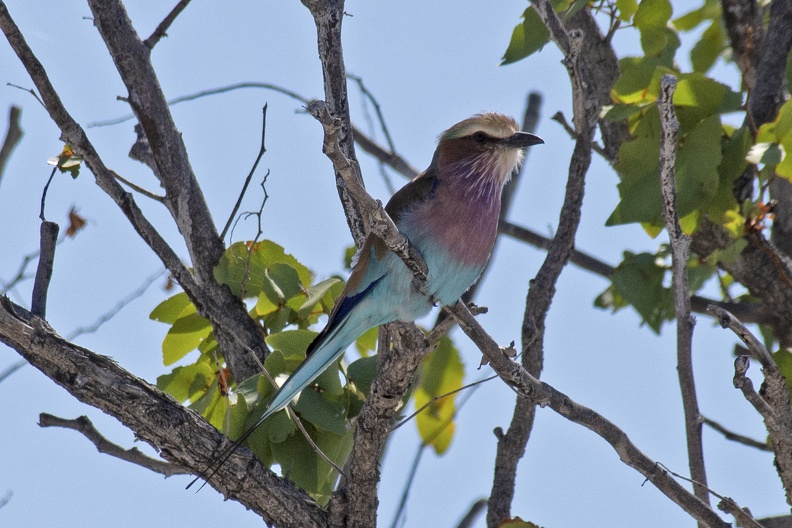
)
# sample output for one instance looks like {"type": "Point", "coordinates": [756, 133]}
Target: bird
{"type": "Point", "coordinates": [449, 213]}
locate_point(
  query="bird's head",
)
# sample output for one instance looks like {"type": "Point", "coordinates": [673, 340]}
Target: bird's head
{"type": "Point", "coordinates": [486, 147]}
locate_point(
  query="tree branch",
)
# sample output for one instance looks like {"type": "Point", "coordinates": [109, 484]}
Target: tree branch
{"type": "Point", "coordinates": [374, 219]}
{"type": "Point", "coordinates": [680, 250]}
{"type": "Point", "coordinates": [163, 26]}
{"type": "Point", "coordinates": [735, 437]}
{"type": "Point", "coordinates": [232, 324]}
{"type": "Point", "coordinates": [84, 426]}
{"type": "Point", "coordinates": [181, 435]}
{"type": "Point", "coordinates": [773, 402]}
{"type": "Point", "coordinates": [511, 445]}
{"type": "Point", "coordinates": [47, 243]}
{"type": "Point", "coordinates": [539, 392]}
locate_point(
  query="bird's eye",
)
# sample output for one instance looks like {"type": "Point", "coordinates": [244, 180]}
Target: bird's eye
{"type": "Point", "coordinates": [480, 137]}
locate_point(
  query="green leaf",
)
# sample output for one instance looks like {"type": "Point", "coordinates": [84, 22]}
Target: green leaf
{"type": "Point", "coordinates": [239, 414]}
{"type": "Point", "coordinates": [765, 153]}
{"type": "Point", "coordinates": [303, 466]}
{"type": "Point", "coordinates": [711, 10]}
{"type": "Point", "coordinates": [627, 9]}
{"type": "Point", "coordinates": [639, 280]}
{"type": "Point", "coordinates": [697, 97]}
{"type": "Point", "coordinates": [707, 50]}
{"type": "Point", "coordinates": [639, 187]}
{"type": "Point", "coordinates": [783, 358]}
{"type": "Point", "coordinates": [723, 207]}
{"type": "Point", "coordinates": [697, 179]}
{"type": "Point", "coordinates": [241, 269]}
{"type": "Point", "coordinates": [317, 292]}
{"type": "Point", "coordinates": [442, 370]}
{"type": "Point", "coordinates": [435, 423]}
{"type": "Point", "coordinates": [368, 341]}
{"type": "Point", "coordinates": [651, 19]}
{"type": "Point", "coordinates": [170, 309]}
{"type": "Point", "coordinates": [67, 161]}
{"type": "Point", "coordinates": [362, 373]}
{"type": "Point", "coordinates": [528, 37]}
{"type": "Point", "coordinates": [212, 406]}
{"type": "Point", "coordinates": [638, 75]}
{"type": "Point", "coordinates": [697, 163]}
{"type": "Point", "coordinates": [329, 381]}
{"type": "Point", "coordinates": [619, 112]}
{"type": "Point", "coordinates": [442, 373]}
{"type": "Point", "coordinates": [184, 383]}
{"type": "Point", "coordinates": [292, 343]}
{"type": "Point", "coordinates": [324, 414]}
{"type": "Point", "coordinates": [187, 332]}
{"type": "Point", "coordinates": [281, 282]}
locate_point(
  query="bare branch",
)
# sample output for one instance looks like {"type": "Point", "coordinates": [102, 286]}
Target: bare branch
{"type": "Point", "coordinates": [138, 188]}
{"type": "Point", "coordinates": [182, 436]}
{"type": "Point", "coordinates": [538, 392]}
{"type": "Point", "coordinates": [389, 158]}
{"type": "Point", "coordinates": [262, 150]}
{"type": "Point", "coordinates": [84, 426]}
{"type": "Point", "coordinates": [742, 516]}
{"type": "Point", "coordinates": [736, 437]}
{"type": "Point", "coordinates": [511, 445]}
{"type": "Point", "coordinates": [48, 242]}
{"type": "Point", "coordinates": [772, 404]}
{"type": "Point", "coordinates": [12, 138]}
{"type": "Point", "coordinates": [120, 305]}
{"type": "Point", "coordinates": [680, 250]}
{"type": "Point", "coordinates": [374, 218]}
{"type": "Point", "coordinates": [163, 26]}
{"type": "Point", "coordinates": [184, 197]}
{"type": "Point", "coordinates": [559, 118]}
{"type": "Point", "coordinates": [357, 499]}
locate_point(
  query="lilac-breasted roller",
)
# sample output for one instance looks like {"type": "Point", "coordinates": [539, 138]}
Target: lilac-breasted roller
{"type": "Point", "coordinates": [450, 214]}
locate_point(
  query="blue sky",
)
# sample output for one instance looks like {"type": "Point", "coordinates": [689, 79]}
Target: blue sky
{"type": "Point", "coordinates": [430, 64]}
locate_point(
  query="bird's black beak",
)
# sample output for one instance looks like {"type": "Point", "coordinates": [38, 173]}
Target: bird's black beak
{"type": "Point", "coordinates": [521, 140]}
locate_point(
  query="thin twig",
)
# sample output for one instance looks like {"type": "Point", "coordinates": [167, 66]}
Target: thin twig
{"type": "Point", "coordinates": [138, 188]}
{"type": "Point", "coordinates": [772, 404]}
{"type": "Point", "coordinates": [539, 392]}
{"type": "Point", "coordinates": [31, 91]}
{"type": "Point", "coordinates": [408, 485]}
{"type": "Point", "coordinates": [727, 505]}
{"type": "Point", "coordinates": [438, 398]}
{"type": "Point", "coordinates": [757, 349]}
{"type": "Point", "coordinates": [736, 437]}
{"type": "Point", "coordinates": [316, 448]}
{"type": "Point", "coordinates": [163, 26]}
{"type": "Point", "coordinates": [511, 445]}
{"type": "Point", "coordinates": [103, 445]}
{"type": "Point", "coordinates": [44, 194]}
{"type": "Point", "coordinates": [250, 174]}
{"type": "Point", "coordinates": [206, 93]}
{"type": "Point", "coordinates": [120, 305]}
{"type": "Point", "coordinates": [559, 118]}
{"type": "Point", "coordinates": [680, 250]}
{"type": "Point", "coordinates": [10, 370]}
{"type": "Point", "coordinates": [377, 109]}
